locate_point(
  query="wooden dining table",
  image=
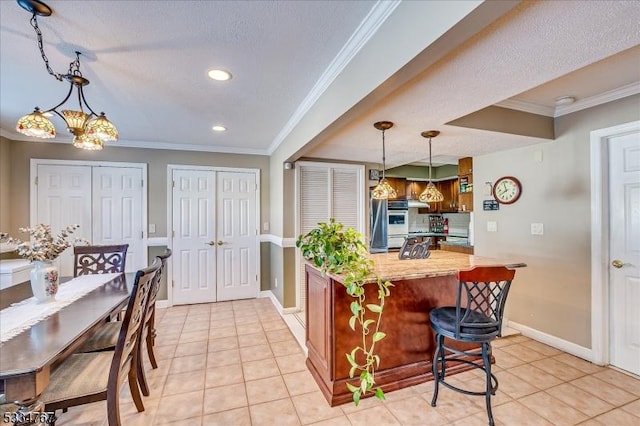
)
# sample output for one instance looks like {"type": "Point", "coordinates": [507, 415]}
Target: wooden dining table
{"type": "Point", "coordinates": [27, 359]}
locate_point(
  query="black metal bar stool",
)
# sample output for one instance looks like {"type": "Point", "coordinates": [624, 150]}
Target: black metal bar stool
{"type": "Point", "coordinates": [476, 318]}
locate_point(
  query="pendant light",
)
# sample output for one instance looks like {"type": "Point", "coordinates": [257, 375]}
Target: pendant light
{"type": "Point", "coordinates": [90, 130]}
{"type": "Point", "coordinates": [431, 193]}
{"type": "Point", "coordinates": [383, 190]}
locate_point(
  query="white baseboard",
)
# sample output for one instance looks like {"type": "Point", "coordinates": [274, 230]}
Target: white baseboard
{"type": "Point", "coordinates": [553, 341]}
{"type": "Point", "coordinates": [276, 302]}
{"type": "Point", "coordinates": [162, 304]}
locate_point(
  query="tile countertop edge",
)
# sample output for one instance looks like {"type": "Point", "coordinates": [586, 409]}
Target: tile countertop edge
{"type": "Point", "coordinates": [441, 263]}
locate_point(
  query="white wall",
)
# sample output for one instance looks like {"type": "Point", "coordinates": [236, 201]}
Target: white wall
{"type": "Point", "coordinates": [553, 293]}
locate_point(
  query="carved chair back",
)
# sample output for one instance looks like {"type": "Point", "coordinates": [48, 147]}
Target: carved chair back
{"type": "Point", "coordinates": [102, 259]}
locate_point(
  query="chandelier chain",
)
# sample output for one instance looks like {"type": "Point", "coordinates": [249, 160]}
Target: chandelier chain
{"type": "Point", "coordinates": [34, 24]}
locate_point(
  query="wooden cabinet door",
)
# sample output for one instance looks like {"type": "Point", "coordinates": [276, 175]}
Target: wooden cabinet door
{"type": "Point", "coordinates": [399, 184]}
{"type": "Point", "coordinates": [414, 189]}
{"type": "Point", "coordinates": [449, 189]}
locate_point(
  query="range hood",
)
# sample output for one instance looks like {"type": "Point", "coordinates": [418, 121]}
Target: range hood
{"type": "Point", "coordinates": [416, 203]}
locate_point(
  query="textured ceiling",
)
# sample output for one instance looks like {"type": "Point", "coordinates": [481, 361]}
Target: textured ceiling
{"type": "Point", "coordinates": [147, 62]}
{"type": "Point", "coordinates": [534, 53]}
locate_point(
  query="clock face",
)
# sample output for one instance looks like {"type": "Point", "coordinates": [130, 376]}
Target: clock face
{"type": "Point", "coordinates": [507, 190]}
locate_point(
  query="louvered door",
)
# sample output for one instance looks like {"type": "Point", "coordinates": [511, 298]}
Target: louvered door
{"type": "Point", "coordinates": [324, 191]}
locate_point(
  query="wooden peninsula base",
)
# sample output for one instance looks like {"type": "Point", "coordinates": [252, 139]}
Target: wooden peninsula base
{"type": "Point", "coordinates": [407, 351]}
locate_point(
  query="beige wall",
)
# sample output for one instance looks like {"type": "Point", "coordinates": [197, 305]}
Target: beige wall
{"type": "Point", "coordinates": [157, 160]}
{"type": "Point", "coordinates": [553, 293]}
{"type": "Point", "coordinates": [5, 184]}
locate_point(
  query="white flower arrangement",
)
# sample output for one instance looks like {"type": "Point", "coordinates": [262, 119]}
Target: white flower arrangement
{"type": "Point", "coordinates": [43, 246]}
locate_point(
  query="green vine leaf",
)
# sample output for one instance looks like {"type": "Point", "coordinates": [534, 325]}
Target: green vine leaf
{"type": "Point", "coordinates": [378, 335]}
{"type": "Point", "coordinates": [352, 322]}
{"type": "Point", "coordinates": [374, 308]}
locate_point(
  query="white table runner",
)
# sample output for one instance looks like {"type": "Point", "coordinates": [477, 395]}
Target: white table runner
{"type": "Point", "coordinates": [20, 316]}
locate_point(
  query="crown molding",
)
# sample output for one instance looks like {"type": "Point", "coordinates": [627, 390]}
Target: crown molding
{"type": "Point", "coordinates": [595, 100]}
{"type": "Point", "coordinates": [599, 99]}
{"type": "Point", "coordinates": [367, 28]}
{"type": "Point", "coordinates": [122, 143]}
{"type": "Point", "coordinates": [525, 106]}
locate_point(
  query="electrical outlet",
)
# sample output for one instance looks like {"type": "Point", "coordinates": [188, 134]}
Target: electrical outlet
{"type": "Point", "coordinates": [265, 226]}
{"type": "Point", "coordinates": [276, 283]}
{"type": "Point", "coordinates": [537, 229]}
{"type": "Point", "coordinates": [492, 226]}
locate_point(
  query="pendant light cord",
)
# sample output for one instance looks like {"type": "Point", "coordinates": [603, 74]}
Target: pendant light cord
{"type": "Point", "coordinates": [383, 155]}
{"type": "Point", "coordinates": [429, 159]}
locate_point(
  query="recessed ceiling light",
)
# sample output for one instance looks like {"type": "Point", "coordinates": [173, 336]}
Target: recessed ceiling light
{"type": "Point", "coordinates": [219, 128]}
{"type": "Point", "coordinates": [565, 100]}
{"type": "Point", "coordinates": [220, 75]}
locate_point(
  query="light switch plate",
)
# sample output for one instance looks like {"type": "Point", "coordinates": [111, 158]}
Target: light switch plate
{"type": "Point", "coordinates": [492, 226]}
{"type": "Point", "coordinates": [152, 228]}
{"type": "Point", "coordinates": [537, 229]}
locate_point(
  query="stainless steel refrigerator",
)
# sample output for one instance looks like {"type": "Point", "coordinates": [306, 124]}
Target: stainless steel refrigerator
{"type": "Point", "coordinates": [378, 226]}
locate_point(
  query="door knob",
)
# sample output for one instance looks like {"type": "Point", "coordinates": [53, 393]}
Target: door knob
{"type": "Point", "coordinates": [220, 242]}
{"type": "Point", "coordinates": [617, 263]}
{"type": "Point", "coordinates": [211, 243]}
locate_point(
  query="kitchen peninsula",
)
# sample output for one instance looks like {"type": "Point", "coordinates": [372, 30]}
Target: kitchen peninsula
{"type": "Point", "coordinates": [407, 351]}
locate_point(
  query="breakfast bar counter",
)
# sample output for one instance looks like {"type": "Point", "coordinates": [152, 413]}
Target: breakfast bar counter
{"type": "Point", "coordinates": [407, 350]}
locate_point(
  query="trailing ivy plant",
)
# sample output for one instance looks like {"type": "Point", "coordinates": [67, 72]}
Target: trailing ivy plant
{"type": "Point", "coordinates": [336, 250]}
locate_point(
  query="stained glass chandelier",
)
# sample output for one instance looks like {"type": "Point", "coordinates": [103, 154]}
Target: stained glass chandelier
{"type": "Point", "coordinates": [90, 130]}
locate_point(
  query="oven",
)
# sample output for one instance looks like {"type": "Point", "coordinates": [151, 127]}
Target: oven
{"type": "Point", "coordinates": [398, 227]}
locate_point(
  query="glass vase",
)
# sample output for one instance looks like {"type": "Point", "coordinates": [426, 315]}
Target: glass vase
{"type": "Point", "coordinates": [44, 281]}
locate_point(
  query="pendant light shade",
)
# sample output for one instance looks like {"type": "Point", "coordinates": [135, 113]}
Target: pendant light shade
{"type": "Point", "coordinates": [383, 190]}
{"type": "Point", "coordinates": [431, 193]}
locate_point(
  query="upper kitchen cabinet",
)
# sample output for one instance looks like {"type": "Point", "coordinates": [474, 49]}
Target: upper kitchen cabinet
{"type": "Point", "coordinates": [414, 188]}
{"type": "Point", "coordinates": [399, 184]}
{"type": "Point", "coordinates": [465, 176]}
{"type": "Point", "coordinates": [465, 166]}
{"type": "Point", "coordinates": [449, 189]}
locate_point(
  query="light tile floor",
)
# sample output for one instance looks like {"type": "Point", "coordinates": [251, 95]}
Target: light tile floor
{"type": "Point", "coordinates": [237, 363]}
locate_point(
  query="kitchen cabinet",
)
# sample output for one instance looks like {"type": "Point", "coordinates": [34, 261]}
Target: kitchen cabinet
{"type": "Point", "coordinates": [414, 189]}
{"type": "Point", "coordinates": [449, 189]}
{"type": "Point", "coordinates": [399, 184]}
{"type": "Point", "coordinates": [465, 176]}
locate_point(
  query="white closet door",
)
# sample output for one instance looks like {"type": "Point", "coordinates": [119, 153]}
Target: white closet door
{"type": "Point", "coordinates": [194, 246]}
{"type": "Point", "coordinates": [64, 198]}
{"type": "Point", "coordinates": [117, 211]}
{"type": "Point", "coordinates": [326, 190]}
{"type": "Point", "coordinates": [237, 236]}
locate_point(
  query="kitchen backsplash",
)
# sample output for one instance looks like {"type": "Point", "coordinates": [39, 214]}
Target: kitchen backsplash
{"type": "Point", "coordinates": [458, 222]}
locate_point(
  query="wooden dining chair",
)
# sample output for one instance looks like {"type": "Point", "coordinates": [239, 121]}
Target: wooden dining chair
{"type": "Point", "coordinates": [476, 319]}
{"type": "Point", "coordinates": [106, 337]}
{"type": "Point", "coordinates": [89, 377]}
{"type": "Point", "coordinates": [102, 259]}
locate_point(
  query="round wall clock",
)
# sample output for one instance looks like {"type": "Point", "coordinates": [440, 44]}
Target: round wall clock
{"type": "Point", "coordinates": [507, 190]}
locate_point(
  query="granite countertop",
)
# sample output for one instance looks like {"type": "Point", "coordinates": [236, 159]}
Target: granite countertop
{"type": "Point", "coordinates": [454, 243]}
{"type": "Point", "coordinates": [440, 263]}
{"type": "Point", "coordinates": [434, 234]}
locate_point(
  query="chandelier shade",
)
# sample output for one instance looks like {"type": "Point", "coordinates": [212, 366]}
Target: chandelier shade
{"type": "Point", "coordinates": [36, 125]}
{"type": "Point", "coordinates": [430, 193]}
{"type": "Point", "coordinates": [383, 190]}
{"type": "Point", "coordinates": [102, 129]}
{"type": "Point", "coordinates": [87, 142]}
{"type": "Point", "coordinates": [81, 121]}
